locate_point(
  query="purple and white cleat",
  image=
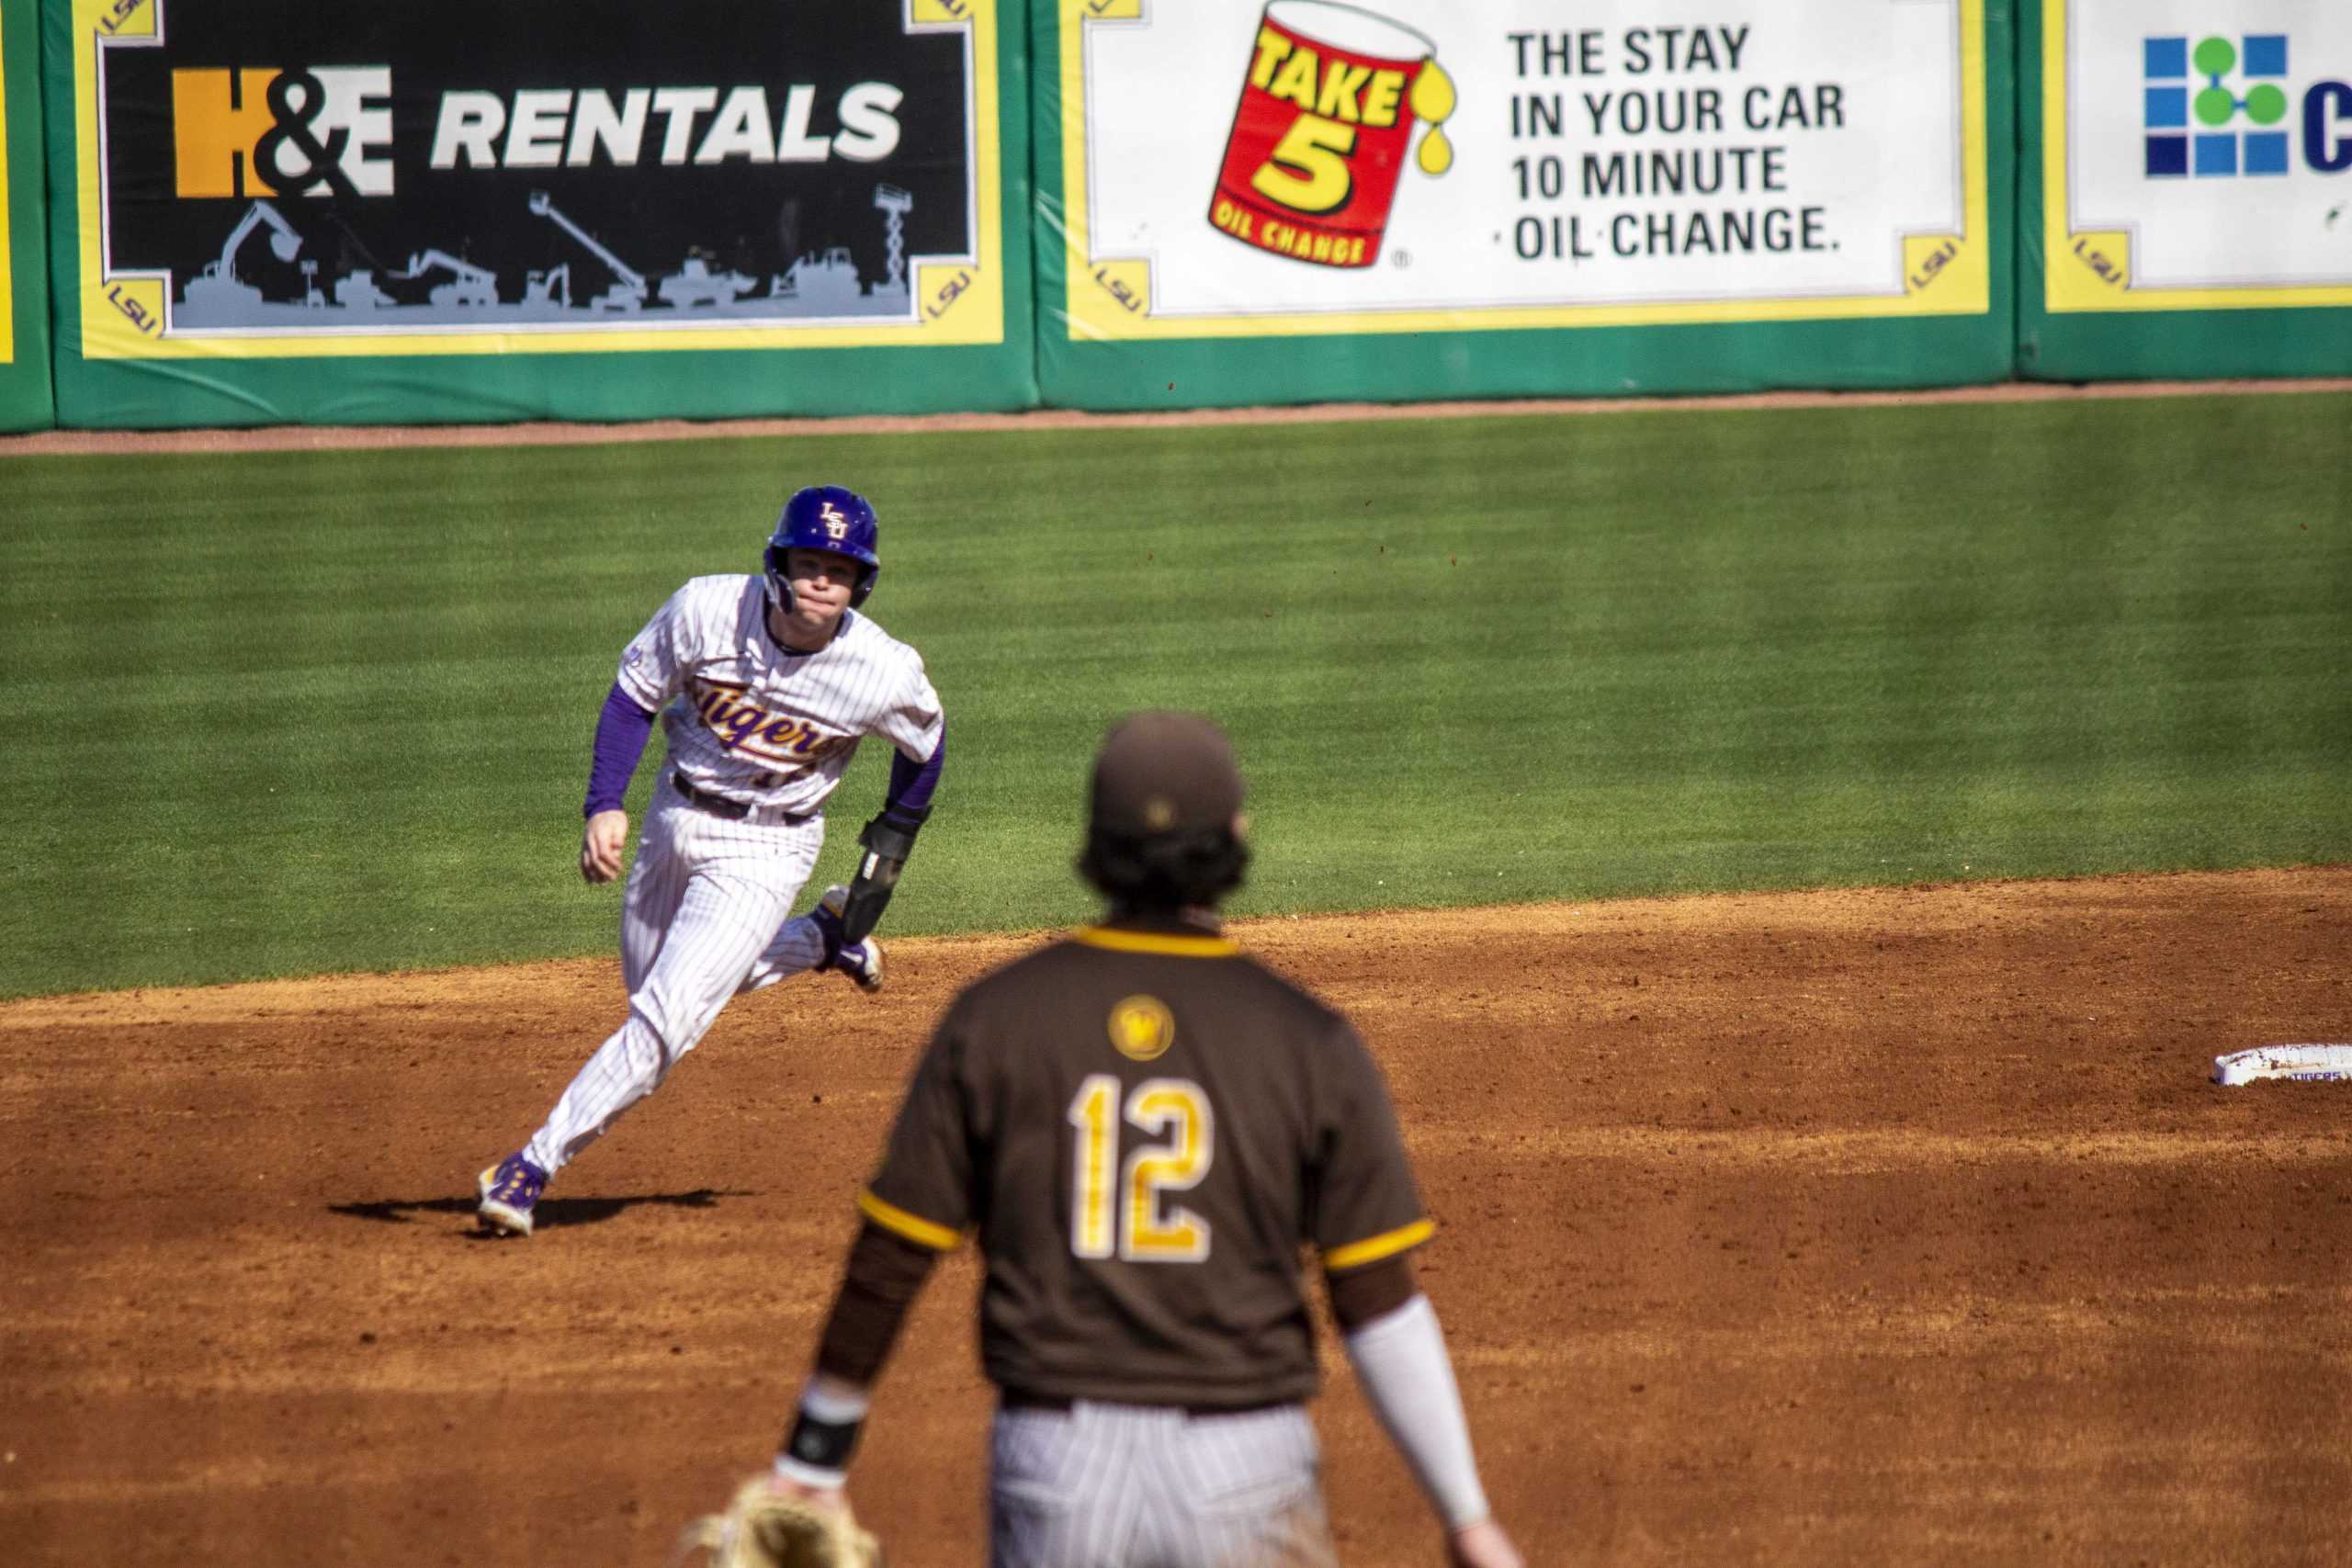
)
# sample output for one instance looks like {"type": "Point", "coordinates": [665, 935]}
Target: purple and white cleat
{"type": "Point", "coordinates": [861, 960]}
{"type": "Point", "coordinates": [510, 1191]}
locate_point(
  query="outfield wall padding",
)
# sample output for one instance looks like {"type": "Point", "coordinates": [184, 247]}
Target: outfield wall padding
{"type": "Point", "coordinates": [265, 213]}
{"type": "Point", "coordinates": [24, 264]}
{"type": "Point", "coordinates": [314, 215]}
{"type": "Point", "coordinates": [2184, 200]}
{"type": "Point", "coordinates": [1245, 203]}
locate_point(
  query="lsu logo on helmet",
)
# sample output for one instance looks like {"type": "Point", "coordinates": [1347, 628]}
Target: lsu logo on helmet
{"type": "Point", "coordinates": [825, 518]}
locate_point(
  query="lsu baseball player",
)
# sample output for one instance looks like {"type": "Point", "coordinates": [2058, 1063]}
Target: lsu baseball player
{"type": "Point", "coordinates": [764, 685]}
{"type": "Point", "coordinates": [1142, 1126]}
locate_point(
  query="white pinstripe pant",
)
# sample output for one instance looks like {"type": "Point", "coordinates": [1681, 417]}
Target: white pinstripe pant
{"type": "Point", "coordinates": [702, 917]}
{"type": "Point", "coordinates": [1143, 1486]}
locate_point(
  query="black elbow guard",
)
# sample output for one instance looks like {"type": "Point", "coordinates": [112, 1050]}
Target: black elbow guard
{"type": "Point", "coordinates": [887, 849]}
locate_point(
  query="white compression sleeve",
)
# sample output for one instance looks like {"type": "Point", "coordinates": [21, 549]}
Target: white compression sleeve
{"type": "Point", "coordinates": [1400, 1359]}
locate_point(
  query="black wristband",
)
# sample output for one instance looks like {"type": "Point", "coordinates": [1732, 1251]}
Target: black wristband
{"type": "Point", "coordinates": [823, 1445]}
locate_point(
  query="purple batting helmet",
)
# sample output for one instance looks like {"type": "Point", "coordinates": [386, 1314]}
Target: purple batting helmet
{"type": "Point", "coordinates": [825, 517]}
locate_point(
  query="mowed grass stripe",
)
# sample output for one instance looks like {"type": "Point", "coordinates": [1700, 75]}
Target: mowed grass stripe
{"type": "Point", "coordinates": [295, 712]}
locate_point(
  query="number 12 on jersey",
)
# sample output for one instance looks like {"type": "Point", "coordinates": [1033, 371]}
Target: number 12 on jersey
{"type": "Point", "coordinates": [1115, 1208]}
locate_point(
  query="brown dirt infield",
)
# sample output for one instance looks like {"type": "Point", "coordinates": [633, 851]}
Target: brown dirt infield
{"type": "Point", "coordinates": [1856, 1228]}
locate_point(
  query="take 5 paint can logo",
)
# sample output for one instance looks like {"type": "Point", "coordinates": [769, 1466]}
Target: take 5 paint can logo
{"type": "Point", "coordinates": [2218, 108]}
{"type": "Point", "coordinates": [1329, 105]}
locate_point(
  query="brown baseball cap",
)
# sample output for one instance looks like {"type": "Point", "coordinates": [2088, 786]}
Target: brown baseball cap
{"type": "Point", "coordinates": [1164, 772]}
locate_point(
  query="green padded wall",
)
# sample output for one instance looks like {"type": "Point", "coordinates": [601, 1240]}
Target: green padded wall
{"type": "Point", "coordinates": [2177, 220]}
{"type": "Point", "coordinates": [24, 264]}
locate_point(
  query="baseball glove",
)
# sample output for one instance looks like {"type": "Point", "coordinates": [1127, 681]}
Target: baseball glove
{"type": "Point", "coordinates": [765, 1528]}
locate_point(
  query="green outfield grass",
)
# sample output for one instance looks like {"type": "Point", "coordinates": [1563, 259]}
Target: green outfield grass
{"type": "Point", "coordinates": [295, 712]}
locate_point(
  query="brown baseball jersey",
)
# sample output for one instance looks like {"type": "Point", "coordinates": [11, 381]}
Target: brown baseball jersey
{"type": "Point", "coordinates": [1143, 1127]}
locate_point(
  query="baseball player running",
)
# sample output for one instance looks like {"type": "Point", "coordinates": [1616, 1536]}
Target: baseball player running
{"type": "Point", "coordinates": [764, 685]}
{"type": "Point", "coordinates": [1141, 1125]}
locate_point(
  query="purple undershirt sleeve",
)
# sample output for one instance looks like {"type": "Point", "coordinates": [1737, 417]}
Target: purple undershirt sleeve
{"type": "Point", "coordinates": [909, 795]}
{"type": "Point", "coordinates": [621, 733]}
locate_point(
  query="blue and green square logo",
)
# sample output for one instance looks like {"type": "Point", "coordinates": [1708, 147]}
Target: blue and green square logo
{"type": "Point", "coordinates": [2195, 129]}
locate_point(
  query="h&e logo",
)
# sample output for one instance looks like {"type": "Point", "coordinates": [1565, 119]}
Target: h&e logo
{"type": "Point", "coordinates": [251, 133]}
{"type": "Point", "coordinates": [2217, 147]}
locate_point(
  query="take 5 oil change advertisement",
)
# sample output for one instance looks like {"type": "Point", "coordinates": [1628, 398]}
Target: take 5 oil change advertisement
{"type": "Point", "coordinates": [1303, 166]}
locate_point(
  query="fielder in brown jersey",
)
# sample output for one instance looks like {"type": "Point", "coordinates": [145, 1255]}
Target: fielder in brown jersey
{"type": "Point", "coordinates": [1144, 1126]}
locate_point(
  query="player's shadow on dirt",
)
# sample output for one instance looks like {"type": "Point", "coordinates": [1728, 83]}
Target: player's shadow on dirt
{"type": "Point", "coordinates": [551, 1212]}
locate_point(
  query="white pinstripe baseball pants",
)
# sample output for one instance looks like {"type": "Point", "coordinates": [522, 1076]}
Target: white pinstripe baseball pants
{"type": "Point", "coordinates": [702, 917]}
{"type": "Point", "coordinates": [1141, 1486]}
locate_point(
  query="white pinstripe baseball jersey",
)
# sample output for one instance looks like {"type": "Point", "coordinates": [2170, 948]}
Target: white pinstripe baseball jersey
{"type": "Point", "coordinates": [755, 722]}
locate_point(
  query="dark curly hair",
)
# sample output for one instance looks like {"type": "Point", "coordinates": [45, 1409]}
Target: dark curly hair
{"type": "Point", "coordinates": [1165, 871]}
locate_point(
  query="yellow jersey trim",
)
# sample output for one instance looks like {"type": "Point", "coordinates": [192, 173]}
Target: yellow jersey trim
{"type": "Point", "coordinates": [1372, 1249]}
{"type": "Point", "coordinates": [1157, 941]}
{"type": "Point", "coordinates": [914, 1227]}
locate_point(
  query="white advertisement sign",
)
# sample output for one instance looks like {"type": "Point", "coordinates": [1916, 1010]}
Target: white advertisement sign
{"type": "Point", "coordinates": [2197, 154]}
{"type": "Point", "coordinates": [1308, 165]}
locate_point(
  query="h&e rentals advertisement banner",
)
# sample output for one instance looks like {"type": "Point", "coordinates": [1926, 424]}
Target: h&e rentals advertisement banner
{"type": "Point", "coordinates": [456, 177]}
{"type": "Point", "coordinates": [1292, 166]}
{"type": "Point", "coordinates": [2197, 154]}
